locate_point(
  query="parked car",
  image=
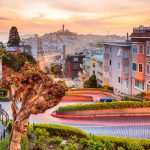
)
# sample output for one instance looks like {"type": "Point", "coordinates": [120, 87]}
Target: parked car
{"type": "Point", "coordinates": [107, 100]}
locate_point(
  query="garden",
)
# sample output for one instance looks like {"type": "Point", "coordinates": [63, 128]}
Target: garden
{"type": "Point", "coordinates": [60, 137]}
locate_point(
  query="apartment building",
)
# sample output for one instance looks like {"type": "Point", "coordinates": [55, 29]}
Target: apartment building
{"type": "Point", "coordinates": [127, 64]}
{"type": "Point", "coordinates": [140, 60]}
{"type": "Point", "coordinates": [116, 66]}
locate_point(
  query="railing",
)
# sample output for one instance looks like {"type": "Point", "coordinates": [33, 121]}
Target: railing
{"type": "Point", "coordinates": [4, 117]}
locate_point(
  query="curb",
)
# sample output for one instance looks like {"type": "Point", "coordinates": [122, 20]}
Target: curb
{"type": "Point", "coordinates": [54, 114]}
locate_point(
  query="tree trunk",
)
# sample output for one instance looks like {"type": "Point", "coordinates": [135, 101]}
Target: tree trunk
{"type": "Point", "coordinates": [18, 130]}
{"type": "Point", "coordinates": [15, 140]}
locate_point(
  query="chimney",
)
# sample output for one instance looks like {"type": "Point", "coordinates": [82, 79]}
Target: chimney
{"type": "Point", "coordinates": [127, 39]}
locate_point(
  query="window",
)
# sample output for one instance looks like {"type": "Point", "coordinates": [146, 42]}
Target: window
{"type": "Point", "coordinates": [148, 68]}
{"type": "Point", "coordinates": [119, 52]}
{"type": "Point", "coordinates": [141, 49]}
{"type": "Point", "coordinates": [134, 49]}
{"type": "Point", "coordinates": [139, 84]}
{"type": "Point", "coordinates": [76, 66]}
{"type": "Point", "coordinates": [140, 68]}
{"type": "Point", "coordinates": [119, 80]}
{"type": "Point", "coordinates": [126, 54]}
{"type": "Point", "coordinates": [148, 49]}
{"type": "Point", "coordinates": [75, 59]}
{"type": "Point", "coordinates": [110, 62]}
{"type": "Point", "coordinates": [110, 50]}
{"type": "Point", "coordinates": [118, 65]}
{"type": "Point", "coordinates": [134, 66]}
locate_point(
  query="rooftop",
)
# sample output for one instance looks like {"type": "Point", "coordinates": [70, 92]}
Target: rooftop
{"type": "Point", "coordinates": [127, 44]}
{"type": "Point", "coordinates": [141, 32]}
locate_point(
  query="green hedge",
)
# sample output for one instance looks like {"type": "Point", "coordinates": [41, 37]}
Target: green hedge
{"type": "Point", "coordinates": [100, 106]}
{"type": "Point", "coordinates": [91, 89]}
{"type": "Point", "coordinates": [78, 95]}
{"type": "Point", "coordinates": [126, 142]}
{"type": "Point", "coordinates": [126, 98]}
{"type": "Point", "coordinates": [61, 130]}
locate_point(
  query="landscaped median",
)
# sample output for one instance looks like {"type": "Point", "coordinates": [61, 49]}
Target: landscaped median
{"type": "Point", "coordinates": [103, 109]}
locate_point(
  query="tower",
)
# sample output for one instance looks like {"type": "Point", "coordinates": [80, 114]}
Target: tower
{"type": "Point", "coordinates": [63, 28]}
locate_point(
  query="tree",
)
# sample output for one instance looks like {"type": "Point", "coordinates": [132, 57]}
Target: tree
{"type": "Point", "coordinates": [14, 38]}
{"type": "Point", "coordinates": [36, 92]}
{"type": "Point", "coordinates": [91, 83]}
{"type": "Point", "coordinates": [15, 62]}
{"type": "Point", "coordinates": [56, 69]}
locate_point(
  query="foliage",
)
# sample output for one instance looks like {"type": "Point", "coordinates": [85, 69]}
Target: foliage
{"type": "Point", "coordinates": [15, 62]}
{"type": "Point", "coordinates": [100, 106]}
{"type": "Point", "coordinates": [110, 89]}
{"type": "Point", "coordinates": [41, 137]}
{"type": "Point", "coordinates": [75, 142]}
{"type": "Point", "coordinates": [56, 70]}
{"type": "Point", "coordinates": [24, 142]}
{"type": "Point", "coordinates": [4, 143]}
{"type": "Point", "coordinates": [126, 98]}
{"type": "Point", "coordinates": [4, 91]}
{"type": "Point", "coordinates": [36, 91]}
{"type": "Point", "coordinates": [134, 145]}
{"type": "Point", "coordinates": [126, 143]}
{"type": "Point", "coordinates": [60, 130]}
{"type": "Point", "coordinates": [106, 86]}
{"type": "Point", "coordinates": [91, 83]}
{"type": "Point", "coordinates": [55, 140]}
{"type": "Point", "coordinates": [91, 89]}
{"type": "Point", "coordinates": [14, 38]}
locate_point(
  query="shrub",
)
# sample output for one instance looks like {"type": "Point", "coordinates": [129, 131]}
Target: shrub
{"type": "Point", "coordinates": [100, 106]}
{"type": "Point", "coordinates": [55, 140]}
{"type": "Point", "coordinates": [4, 143]}
{"type": "Point", "coordinates": [125, 143]}
{"type": "Point", "coordinates": [91, 83]}
{"type": "Point", "coordinates": [4, 91]}
{"type": "Point", "coordinates": [126, 98]}
{"type": "Point", "coordinates": [134, 145]}
{"type": "Point", "coordinates": [24, 142]}
{"type": "Point", "coordinates": [111, 89]}
{"type": "Point", "coordinates": [61, 130]}
{"type": "Point", "coordinates": [41, 137]}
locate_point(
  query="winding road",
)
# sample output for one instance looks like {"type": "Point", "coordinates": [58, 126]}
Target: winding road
{"type": "Point", "coordinates": [134, 127]}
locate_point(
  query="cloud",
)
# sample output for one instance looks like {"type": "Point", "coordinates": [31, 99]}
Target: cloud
{"type": "Point", "coordinates": [3, 18]}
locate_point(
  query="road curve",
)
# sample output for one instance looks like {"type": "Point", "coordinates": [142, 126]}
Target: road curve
{"type": "Point", "coordinates": [134, 127]}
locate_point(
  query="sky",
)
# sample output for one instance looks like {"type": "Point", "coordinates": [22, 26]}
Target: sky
{"type": "Point", "coordinates": [81, 16]}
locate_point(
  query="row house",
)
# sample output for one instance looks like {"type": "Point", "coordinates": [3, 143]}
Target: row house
{"type": "Point", "coordinates": [140, 59]}
{"type": "Point", "coordinates": [127, 64]}
{"type": "Point", "coordinates": [116, 72]}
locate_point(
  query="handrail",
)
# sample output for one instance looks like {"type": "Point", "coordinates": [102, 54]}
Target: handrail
{"type": "Point", "coordinates": [3, 114]}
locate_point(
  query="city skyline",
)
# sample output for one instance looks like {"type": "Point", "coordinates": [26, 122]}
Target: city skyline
{"type": "Point", "coordinates": [86, 17]}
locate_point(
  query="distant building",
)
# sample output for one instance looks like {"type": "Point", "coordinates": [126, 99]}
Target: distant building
{"type": "Point", "coordinates": [72, 65]}
{"type": "Point", "coordinates": [14, 49]}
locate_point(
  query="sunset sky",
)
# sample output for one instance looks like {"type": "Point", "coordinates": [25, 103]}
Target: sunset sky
{"type": "Point", "coordinates": [82, 16]}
